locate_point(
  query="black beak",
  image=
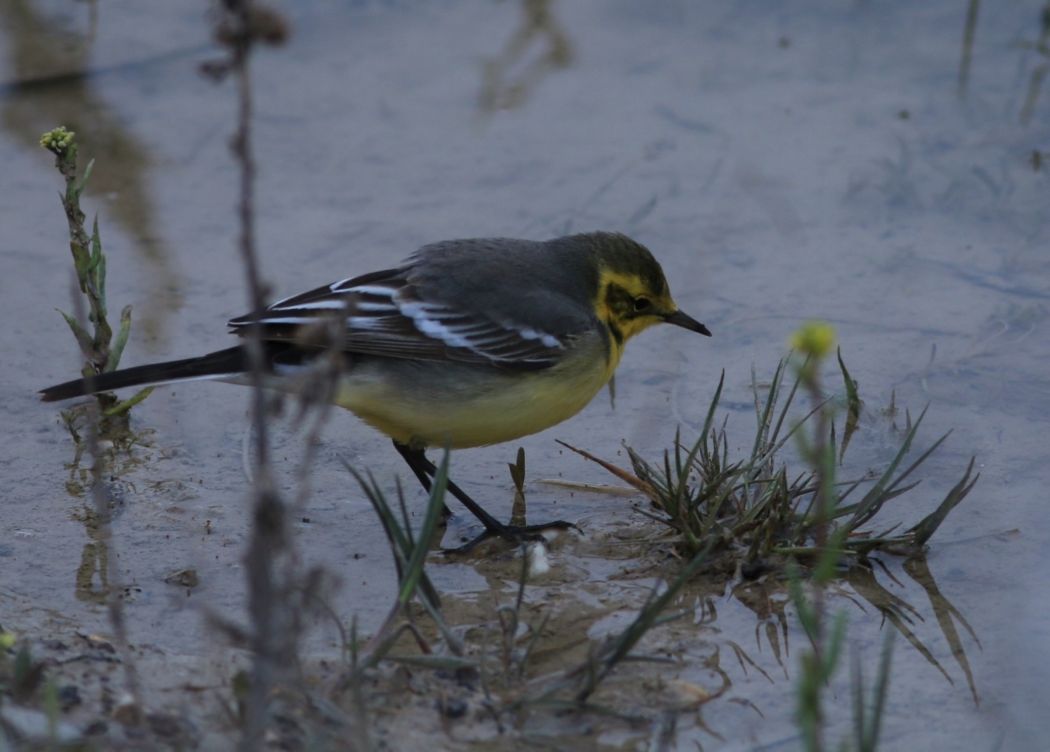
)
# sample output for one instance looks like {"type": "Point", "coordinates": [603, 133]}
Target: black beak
{"type": "Point", "coordinates": [686, 321]}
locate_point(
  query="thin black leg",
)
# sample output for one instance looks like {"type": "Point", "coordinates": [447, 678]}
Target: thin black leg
{"type": "Point", "coordinates": [425, 470]}
{"type": "Point", "coordinates": [422, 468]}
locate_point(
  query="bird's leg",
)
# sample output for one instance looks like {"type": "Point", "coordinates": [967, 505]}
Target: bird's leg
{"type": "Point", "coordinates": [425, 470]}
{"type": "Point", "coordinates": [422, 468]}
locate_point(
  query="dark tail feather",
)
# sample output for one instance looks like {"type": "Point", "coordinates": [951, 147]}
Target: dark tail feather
{"type": "Point", "coordinates": [219, 363]}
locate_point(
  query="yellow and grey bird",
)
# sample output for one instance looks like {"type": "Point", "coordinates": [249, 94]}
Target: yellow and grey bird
{"type": "Point", "coordinates": [466, 343]}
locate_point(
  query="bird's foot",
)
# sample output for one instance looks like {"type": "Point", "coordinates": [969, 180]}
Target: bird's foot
{"type": "Point", "coordinates": [517, 535]}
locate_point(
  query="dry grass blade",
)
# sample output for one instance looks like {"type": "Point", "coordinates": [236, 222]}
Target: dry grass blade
{"type": "Point", "coordinates": [866, 728]}
{"type": "Point", "coordinates": [623, 475]}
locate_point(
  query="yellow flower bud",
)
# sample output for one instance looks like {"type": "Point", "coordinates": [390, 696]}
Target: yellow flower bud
{"type": "Point", "coordinates": [814, 338]}
{"type": "Point", "coordinates": [57, 139]}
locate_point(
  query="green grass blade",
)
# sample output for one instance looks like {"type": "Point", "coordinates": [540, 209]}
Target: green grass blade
{"type": "Point", "coordinates": [928, 525]}
{"type": "Point", "coordinates": [709, 419]}
{"type": "Point", "coordinates": [117, 348]}
{"type": "Point", "coordinates": [124, 405]}
{"type": "Point", "coordinates": [869, 505]}
{"type": "Point", "coordinates": [860, 725]}
{"type": "Point", "coordinates": [87, 346]}
{"type": "Point", "coordinates": [401, 546]}
{"type": "Point", "coordinates": [763, 415]}
{"type": "Point", "coordinates": [414, 569]}
{"type": "Point", "coordinates": [853, 405]}
{"type": "Point", "coordinates": [869, 741]}
{"type": "Point", "coordinates": [784, 411]}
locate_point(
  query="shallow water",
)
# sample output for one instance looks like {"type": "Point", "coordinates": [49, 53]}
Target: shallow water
{"type": "Point", "coordinates": [784, 164]}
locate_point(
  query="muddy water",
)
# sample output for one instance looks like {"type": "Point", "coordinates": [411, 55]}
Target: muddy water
{"type": "Point", "coordinates": [784, 165]}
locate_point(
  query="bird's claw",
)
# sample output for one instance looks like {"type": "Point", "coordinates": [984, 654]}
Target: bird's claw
{"type": "Point", "coordinates": [515, 534]}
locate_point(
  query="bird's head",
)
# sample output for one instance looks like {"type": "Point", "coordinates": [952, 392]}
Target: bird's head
{"type": "Point", "coordinates": [632, 293]}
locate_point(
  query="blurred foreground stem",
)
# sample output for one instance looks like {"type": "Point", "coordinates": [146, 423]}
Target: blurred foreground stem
{"type": "Point", "coordinates": [814, 341]}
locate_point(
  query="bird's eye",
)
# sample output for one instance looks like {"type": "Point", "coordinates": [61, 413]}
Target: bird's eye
{"type": "Point", "coordinates": [642, 304]}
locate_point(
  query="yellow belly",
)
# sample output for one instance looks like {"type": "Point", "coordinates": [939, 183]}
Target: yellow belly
{"type": "Point", "coordinates": [459, 405]}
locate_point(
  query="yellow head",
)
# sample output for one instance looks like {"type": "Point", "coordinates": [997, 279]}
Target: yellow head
{"type": "Point", "coordinates": [632, 292]}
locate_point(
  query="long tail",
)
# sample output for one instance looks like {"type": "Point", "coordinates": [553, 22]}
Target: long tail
{"type": "Point", "coordinates": [227, 362]}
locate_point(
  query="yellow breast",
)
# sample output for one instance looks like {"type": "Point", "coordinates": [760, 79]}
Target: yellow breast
{"type": "Point", "coordinates": [459, 405]}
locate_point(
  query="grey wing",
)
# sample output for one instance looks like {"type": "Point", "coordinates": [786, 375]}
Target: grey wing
{"type": "Point", "coordinates": [385, 315]}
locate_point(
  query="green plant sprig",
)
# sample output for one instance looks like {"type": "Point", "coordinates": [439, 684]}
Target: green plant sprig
{"type": "Point", "coordinates": [101, 351]}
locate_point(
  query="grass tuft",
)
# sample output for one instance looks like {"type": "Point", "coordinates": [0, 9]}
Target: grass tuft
{"type": "Point", "coordinates": [753, 511]}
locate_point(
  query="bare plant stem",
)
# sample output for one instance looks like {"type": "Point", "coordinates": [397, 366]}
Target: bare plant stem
{"type": "Point", "coordinates": [270, 639]}
{"type": "Point", "coordinates": [815, 340]}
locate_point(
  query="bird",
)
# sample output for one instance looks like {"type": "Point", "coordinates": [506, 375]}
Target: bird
{"type": "Point", "coordinates": [465, 343]}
